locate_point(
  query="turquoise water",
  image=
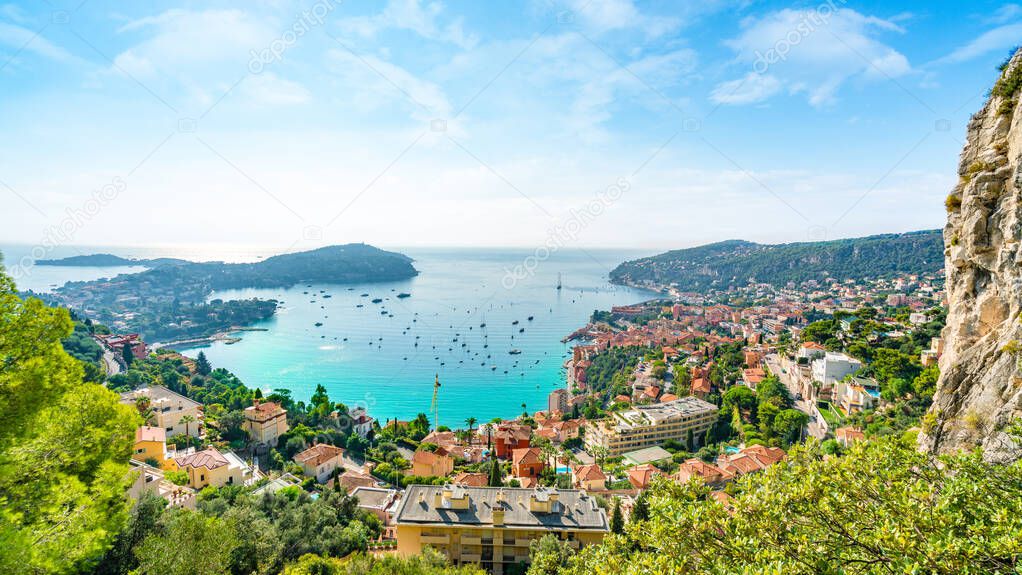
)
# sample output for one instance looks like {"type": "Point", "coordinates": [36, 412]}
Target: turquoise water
{"type": "Point", "coordinates": [365, 357]}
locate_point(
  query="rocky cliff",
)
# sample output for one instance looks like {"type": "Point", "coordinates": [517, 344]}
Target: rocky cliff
{"type": "Point", "coordinates": [980, 389]}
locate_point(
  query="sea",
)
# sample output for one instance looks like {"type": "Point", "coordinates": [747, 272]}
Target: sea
{"type": "Point", "coordinates": [487, 323]}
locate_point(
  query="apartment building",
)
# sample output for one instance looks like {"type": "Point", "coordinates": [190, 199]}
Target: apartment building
{"type": "Point", "coordinates": [167, 409]}
{"type": "Point", "coordinates": [651, 425]}
{"type": "Point", "coordinates": [493, 526]}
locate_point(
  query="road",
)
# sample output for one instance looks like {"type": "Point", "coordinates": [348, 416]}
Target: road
{"type": "Point", "coordinates": [110, 363]}
{"type": "Point", "coordinates": [773, 363]}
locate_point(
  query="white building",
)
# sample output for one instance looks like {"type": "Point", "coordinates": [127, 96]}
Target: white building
{"type": "Point", "coordinates": [833, 367]}
{"type": "Point", "coordinates": [830, 369]}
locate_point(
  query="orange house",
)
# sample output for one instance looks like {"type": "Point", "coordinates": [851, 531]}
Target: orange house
{"type": "Point", "coordinates": [510, 436]}
{"type": "Point", "coordinates": [527, 462]}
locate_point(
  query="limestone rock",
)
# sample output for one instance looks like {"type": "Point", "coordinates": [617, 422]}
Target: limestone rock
{"type": "Point", "coordinates": [980, 388]}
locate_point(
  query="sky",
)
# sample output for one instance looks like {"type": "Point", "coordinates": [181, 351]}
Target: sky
{"type": "Point", "coordinates": [576, 123]}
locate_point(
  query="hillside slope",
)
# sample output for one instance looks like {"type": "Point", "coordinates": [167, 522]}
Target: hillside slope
{"type": "Point", "coordinates": [980, 389]}
{"type": "Point", "coordinates": [735, 262]}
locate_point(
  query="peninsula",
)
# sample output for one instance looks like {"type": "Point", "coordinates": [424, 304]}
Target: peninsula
{"type": "Point", "coordinates": [171, 302]}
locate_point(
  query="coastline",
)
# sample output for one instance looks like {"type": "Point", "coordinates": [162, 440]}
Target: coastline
{"type": "Point", "coordinates": [222, 336]}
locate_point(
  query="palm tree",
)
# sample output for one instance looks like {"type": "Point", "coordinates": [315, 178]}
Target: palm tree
{"type": "Point", "coordinates": [524, 413]}
{"type": "Point", "coordinates": [188, 420]}
{"type": "Point", "coordinates": [470, 422]}
{"type": "Point", "coordinates": [145, 409]}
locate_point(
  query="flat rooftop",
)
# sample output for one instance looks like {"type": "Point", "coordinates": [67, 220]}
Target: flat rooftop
{"type": "Point", "coordinates": [657, 413]}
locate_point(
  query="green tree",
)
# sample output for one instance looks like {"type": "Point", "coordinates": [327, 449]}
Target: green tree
{"type": "Point", "coordinates": [128, 356]}
{"type": "Point", "coordinates": [640, 511]}
{"type": "Point", "coordinates": [190, 544]}
{"type": "Point", "coordinates": [142, 521]}
{"type": "Point", "coordinates": [64, 446]}
{"type": "Point", "coordinates": [470, 422]}
{"type": "Point", "coordinates": [617, 520]}
{"type": "Point", "coordinates": [496, 477]}
{"type": "Point", "coordinates": [202, 365]}
{"type": "Point", "coordinates": [881, 508]}
{"type": "Point", "coordinates": [548, 554]}
{"type": "Point", "coordinates": [690, 442]}
{"type": "Point", "coordinates": [788, 425]}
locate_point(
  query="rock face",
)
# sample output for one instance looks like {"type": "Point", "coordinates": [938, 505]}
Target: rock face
{"type": "Point", "coordinates": [979, 393]}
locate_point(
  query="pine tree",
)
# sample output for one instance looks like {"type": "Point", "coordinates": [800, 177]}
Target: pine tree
{"type": "Point", "coordinates": [640, 512]}
{"type": "Point", "coordinates": [202, 364]}
{"type": "Point", "coordinates": [617, 520]}
{"type": "Point", "coordinates": [691, 443]}
{"type": "Point", "coordinates": [127, 355]}
{"type": "Point", "coordinates": [496, 478]}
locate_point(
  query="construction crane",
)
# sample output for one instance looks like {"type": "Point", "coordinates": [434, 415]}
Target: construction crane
{"type": "Point", "coordinates": [435, 408]}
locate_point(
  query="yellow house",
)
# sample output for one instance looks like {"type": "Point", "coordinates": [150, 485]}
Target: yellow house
{"type": "Point", "coordinates": [265, 422]}
{"type": "Point", "coordinates": [151, 445]}
{"type": "Point", "coordinates": [320, 461]}
{"type": "Point", "coordinates": [428, 464]}
{"type": "Point", "coordinates": [493, 526]}
{"type": "Point", "coordinates": [210, 467]}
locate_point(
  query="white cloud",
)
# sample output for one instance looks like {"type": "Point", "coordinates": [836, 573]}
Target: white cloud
{"type": "Point", "coordinates": [197, 55]}
{"type": "Point", "coordinates": [369, 82]}
{"type": "Point", "coordinates": [267, 88]}
{"type": "Point", "coordinates": [13, 13]}
{"type": "Point", "coordinates": [1005, 14]}
{"type": "Point", "coordinates": [605, 15]}
{"type": "Point", "coordinates": [18, 38]}
{"type": "Point", "coordinates": [751, 89]}
{"type": "Point", "coordinates": [1002, 38]}
{"type": "Point", "coordinates": [812, 52]}
{"type": "Point", "coordinates": [412, 15]}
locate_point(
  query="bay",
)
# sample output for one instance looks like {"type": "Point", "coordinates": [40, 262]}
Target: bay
{"type": "Point", "coordinates": [385, 356]}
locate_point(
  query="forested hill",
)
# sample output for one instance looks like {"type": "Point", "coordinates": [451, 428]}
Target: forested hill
{"type": "Point", "coordinates": [735, 263]}
{"type": "Point", "coordinates": [169, 302]}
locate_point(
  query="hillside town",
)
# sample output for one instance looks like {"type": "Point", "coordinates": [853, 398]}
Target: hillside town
{"type": "Point", "coordinates": [687, 388]}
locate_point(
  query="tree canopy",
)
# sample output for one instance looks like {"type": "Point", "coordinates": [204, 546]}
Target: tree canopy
{"type": "Point", "coordinates": [64, 445]}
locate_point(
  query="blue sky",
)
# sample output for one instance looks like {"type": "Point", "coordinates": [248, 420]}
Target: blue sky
{"type": "Point", "coordinates": [574, 123]}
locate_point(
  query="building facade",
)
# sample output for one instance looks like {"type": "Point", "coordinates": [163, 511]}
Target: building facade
{"type": "Point", "coordinates": [265, 422]}
{"type": "Point", "coordinates": [651, 425]}
{"type": "Point", "coordinates": [168, 409]}
{"type": "Point", "coordinates": [493, 526]}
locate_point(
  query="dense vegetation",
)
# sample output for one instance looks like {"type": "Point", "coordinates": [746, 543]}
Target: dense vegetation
{"type": "Point", "coordinates": [891, 357]}
{"type": "Point", "coordinates": [881, 508]}
{"type": "Point", "coordinates": [64, 446]}
{"type": "Point", "coordinates": [734, 263]}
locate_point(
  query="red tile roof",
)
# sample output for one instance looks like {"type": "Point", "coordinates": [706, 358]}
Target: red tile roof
{"type": "Point", "coordinates": [589, 473]}
{"type": "Point", "coordinates": [526, 456]}
{"type": "Point", "coordinates": [318, 454]}
{"type": "Point", "coordinates": [209, 458]}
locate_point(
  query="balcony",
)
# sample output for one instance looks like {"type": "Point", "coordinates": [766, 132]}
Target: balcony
{"type": "Point", "coordinates": [434, 539]}
{"type": "Point", "coordinates": [471, 540]}
{"type": "Point", "coordinates": [469, 558]}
